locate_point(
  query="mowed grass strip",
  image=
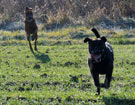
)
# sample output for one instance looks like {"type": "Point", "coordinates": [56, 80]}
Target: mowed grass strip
{"type": "Point", "coordinates": [60, 75]}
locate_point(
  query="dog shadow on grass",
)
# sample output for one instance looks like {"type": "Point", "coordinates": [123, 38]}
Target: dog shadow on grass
{"type": "Point", "coordinates": [118, 101]}
{"type": "Point", "coordinates": [41, 56]}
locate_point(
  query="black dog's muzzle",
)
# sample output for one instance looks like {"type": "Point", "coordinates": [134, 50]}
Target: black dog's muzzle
{"type": "Point", "coordinates": [97, 55]}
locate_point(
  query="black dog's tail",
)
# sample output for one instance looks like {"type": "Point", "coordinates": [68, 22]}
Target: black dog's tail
{"type": "Point", "coordinates": [95, 32]}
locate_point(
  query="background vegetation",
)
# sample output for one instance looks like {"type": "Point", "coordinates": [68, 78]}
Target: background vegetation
{"type": "Point", "coordinates": [58, 13]}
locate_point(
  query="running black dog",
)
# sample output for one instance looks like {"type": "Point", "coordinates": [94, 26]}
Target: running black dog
{"type": "Point", "coordinates": [100, 60]}
{"type": "Point", "coordinates": [30, 27]}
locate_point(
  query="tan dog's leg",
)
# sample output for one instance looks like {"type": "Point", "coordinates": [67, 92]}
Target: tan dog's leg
{"type": "Point", "coordinates": [28, 38]}
{"type": "Point", "coordinates": [36, 42]}
{"type": "Point", "coordinates": [30, 46]}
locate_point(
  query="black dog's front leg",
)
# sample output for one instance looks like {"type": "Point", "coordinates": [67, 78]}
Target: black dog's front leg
{"type": "Point", "coordinates": [96, 82]}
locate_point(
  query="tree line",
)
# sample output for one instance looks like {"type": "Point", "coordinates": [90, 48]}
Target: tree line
{"type": "Point", "coordinates": [67, 11]}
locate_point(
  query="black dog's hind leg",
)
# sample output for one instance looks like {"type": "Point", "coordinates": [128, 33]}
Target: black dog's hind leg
{"type": "Point", "coordinates": [108, 80]}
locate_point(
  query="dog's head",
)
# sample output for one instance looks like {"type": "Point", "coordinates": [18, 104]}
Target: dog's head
{"type": "Point", "coordinates": [28, 14]}
{"type": "Point", "coordinates": [96, 48]}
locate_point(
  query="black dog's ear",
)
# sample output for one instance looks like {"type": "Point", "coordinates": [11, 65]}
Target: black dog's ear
{"type": "Point", "coordinates": [87, 40]}
{"type": "Point", "coordinates": [103, 39]}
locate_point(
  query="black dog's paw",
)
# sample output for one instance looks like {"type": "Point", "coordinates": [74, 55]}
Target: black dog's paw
{"type": "Point", "coordinates": [98, 91]}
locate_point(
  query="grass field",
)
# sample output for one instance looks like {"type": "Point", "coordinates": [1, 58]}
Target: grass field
{"type": "Point", "coordinates": [58, 74]}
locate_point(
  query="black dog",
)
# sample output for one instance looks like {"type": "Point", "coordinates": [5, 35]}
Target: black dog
{"type": "Point", "coordinates": [30, 27]}
{"type": "Point", "coordinates": [100, 60]}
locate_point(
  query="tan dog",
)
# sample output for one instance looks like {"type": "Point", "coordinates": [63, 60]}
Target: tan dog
{"type": "Point", "coordinates": [30, 27]}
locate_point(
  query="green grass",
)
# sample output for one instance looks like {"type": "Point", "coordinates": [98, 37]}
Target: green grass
{"type": "Point", "coordinates": [59, 74]}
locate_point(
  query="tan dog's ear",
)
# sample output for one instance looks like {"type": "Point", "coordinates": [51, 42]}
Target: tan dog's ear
{"type": "Point", "coordinates": [28, 9]}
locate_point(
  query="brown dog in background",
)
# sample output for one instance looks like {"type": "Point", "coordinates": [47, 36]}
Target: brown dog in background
{"type": "Point", "coordinates": [30, 27]}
